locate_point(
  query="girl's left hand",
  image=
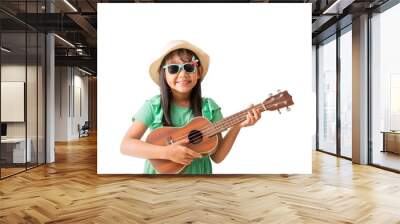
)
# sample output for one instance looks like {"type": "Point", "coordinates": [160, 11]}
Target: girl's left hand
{"type": "Point", "coordinates": [252, 117]}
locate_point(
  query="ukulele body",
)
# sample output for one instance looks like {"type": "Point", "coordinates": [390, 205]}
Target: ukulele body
{"type": "Point", "coordinates": [199, 142]}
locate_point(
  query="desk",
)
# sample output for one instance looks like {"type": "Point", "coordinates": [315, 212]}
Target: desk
{"type": "Point", "coordinates": [391, 141]}
{"type": "Point", "coordinates": [15, 148]}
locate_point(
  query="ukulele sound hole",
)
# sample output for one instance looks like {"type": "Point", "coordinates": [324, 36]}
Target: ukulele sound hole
{"type": "Point", "coordinates": [195, 137]}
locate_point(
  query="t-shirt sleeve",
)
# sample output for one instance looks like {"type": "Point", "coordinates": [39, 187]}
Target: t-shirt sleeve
{"type": "Point", "coordinates": [144, 114]}
{"type": "Point", "coordinates": [215, 110]}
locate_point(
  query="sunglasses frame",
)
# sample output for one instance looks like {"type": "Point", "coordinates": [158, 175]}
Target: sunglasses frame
{"type": "Point", "coordinates": [182, 66]}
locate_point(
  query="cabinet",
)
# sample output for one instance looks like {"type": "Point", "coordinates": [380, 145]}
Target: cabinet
{"type": "Point", "coordinates": [13, 150]}
{"type": "Point", "coordinates": [391, 141]}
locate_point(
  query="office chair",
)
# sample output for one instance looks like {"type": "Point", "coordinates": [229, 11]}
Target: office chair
{"type": "Point", "coordinates": [84, 130]}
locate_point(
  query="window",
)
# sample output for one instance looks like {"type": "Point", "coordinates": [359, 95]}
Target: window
{"type": "Point", "coordinates": [22, 65]}
{"type": "Point", "coordinates": [327, 96]}
{"type": "Point", "coordinates": [346, 92]}
{"type": "Point", "coordinates": [385, 89]}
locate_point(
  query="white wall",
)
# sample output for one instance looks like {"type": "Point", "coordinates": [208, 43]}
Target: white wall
{"type": "Point", "coordinates": [33, 127]}
{"type": "Point", "coordinates": [12, 73]}
{"type": "Point", "coordinates": [61, 103]}
{"type": "Point", "coordinates": [16, 73]}
{"type": "Point", "coordinates": [80, 83]}
{"type": "Point", "coordinates": [70, 83]}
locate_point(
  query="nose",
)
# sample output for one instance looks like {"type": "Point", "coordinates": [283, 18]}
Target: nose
{"type": "Point", "coordinates": [182, 72]}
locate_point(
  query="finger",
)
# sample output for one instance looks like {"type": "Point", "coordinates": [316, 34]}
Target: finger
{"type": "Point", "coordinates": [256, 115]}
{"type": "Point", "coordinates": [184, 162]}
{"type": "Point", "coordinates": [192, 156]}
{"type": "Point", "coordinates": [187, 158]}
{"type": "Point", "coordinates": [247, 121]}
{"type": "Point", "coordinates": [244, 123]}
{"type": "Point", "coordinates": [254, 111]}
{"type": "Point", "coordinates": [182, 141]}
{"type": "Point", "coordinates": [193, 153]}
{"type": "Point", "coordinates": [187, 154]}
{"type": "Point", "coordinates": [185, 141]}
{"type": "Point", "coordinates": [254, 118]}
{"type": "Point", "coordinates": [187, 161]}
{"type": "Point", "coordinates": [251, 120]}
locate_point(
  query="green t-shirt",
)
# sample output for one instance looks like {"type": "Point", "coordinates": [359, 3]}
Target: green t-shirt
{"type": "Point", "coordinates": [151, 115]}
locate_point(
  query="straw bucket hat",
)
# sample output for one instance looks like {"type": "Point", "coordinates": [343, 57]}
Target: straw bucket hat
{"type": "Point", "coordinates": [177, 44]}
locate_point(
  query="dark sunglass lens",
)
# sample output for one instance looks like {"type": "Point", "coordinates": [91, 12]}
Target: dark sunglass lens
{"type": "Point", "coordinates": [173, 69]}
{"type": "Point", "coordinates": [189, 68]}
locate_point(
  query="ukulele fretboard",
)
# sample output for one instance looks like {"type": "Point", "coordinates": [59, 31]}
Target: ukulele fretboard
{"type": "Point", "coordinates": [230, 121]}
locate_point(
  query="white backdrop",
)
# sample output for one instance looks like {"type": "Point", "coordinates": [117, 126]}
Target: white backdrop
{"type": "Point", "coordinates": [254, 49]}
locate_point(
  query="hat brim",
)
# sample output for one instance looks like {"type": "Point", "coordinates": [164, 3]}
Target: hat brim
{"type": "Point", "coordinates": [174, 45]}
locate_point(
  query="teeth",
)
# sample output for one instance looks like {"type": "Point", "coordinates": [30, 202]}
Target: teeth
{"type": "Point", "coordinates": [183, 82]}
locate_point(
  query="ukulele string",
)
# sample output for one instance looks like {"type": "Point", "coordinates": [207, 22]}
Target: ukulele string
{"type": "Point", "coordinates": [207, 129]}
{"type": "Point", "coordinates": [230, 120]}
{"type": "Point", "coordinates": [236, 118]}
{"type": "Point", "coordinates": [233, 119]}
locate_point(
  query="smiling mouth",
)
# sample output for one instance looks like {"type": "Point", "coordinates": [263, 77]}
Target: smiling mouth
{"type": "Point", "coordinates": [184, 82]}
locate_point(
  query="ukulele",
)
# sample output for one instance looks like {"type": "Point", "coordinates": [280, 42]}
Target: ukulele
{"type": "Point", "coordinates": [200, 135]}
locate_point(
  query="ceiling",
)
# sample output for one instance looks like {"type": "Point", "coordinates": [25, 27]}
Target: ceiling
{"type": "Point", "coordinates": [76, 22]}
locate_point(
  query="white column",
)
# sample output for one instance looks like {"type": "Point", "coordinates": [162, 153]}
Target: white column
{"type": "Point", "coordinates": [50, 93]}
{"type": "Point", "coordinates": [50, 100]}
{"type": "Point", "coordinates": [360, 90]}
{"type": "Point", "coordinates": [314, 90]}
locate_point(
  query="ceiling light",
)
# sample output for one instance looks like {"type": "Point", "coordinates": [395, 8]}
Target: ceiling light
{"type": "Point", "coordinates": [338, 6]}
{"type": "Point", "coordinates": [70, 5]}
{"type": "Point", "coordinates": [64, 40]}
{"type": "Point", "coordinates": [5, 49]}
{"type": "Point", "coordinates": [84, 71]}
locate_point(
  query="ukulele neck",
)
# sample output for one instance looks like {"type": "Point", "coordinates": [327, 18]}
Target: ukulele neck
{"type": "Point", "coordinates": [231, 121]}
{"type": "Point", "coordinates": [274, 102]}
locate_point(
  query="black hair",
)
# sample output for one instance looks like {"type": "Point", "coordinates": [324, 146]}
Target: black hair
{"type": "Point", "coordinates": [166, 93]}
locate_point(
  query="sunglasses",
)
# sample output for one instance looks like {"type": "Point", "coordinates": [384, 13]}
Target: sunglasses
{"type": "Point", "coordinates": [176, 68]}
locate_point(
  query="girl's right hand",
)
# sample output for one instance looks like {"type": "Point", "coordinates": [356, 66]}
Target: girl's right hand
{"type": "Point", "coordinates": [180, 154]}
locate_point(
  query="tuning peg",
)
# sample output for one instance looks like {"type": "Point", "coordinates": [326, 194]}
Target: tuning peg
{"type": "Point", "coordinates": [279, 111]}
{"type": "Point", "coordinates": [270, 94]}
{"type": "Point", "coordinates": [288, 109]}
{"type": "Point", "coordinates": [278, 90]}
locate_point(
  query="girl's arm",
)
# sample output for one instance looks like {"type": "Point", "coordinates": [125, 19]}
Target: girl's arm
{"type": "Point", "coordinates": [131, 145]}
{"type": "Point", "coordinates": [227, 142]}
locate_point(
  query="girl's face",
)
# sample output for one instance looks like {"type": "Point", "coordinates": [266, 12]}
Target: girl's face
{"type": "Point", "coordinates": [181, 82]}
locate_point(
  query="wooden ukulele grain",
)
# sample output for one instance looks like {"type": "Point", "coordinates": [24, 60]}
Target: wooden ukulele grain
{"type": "Point", "coordinates": [162, 136]}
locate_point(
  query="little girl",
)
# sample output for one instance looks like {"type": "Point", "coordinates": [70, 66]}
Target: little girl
{"type": "Point", "coordinates": [179, 72]}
